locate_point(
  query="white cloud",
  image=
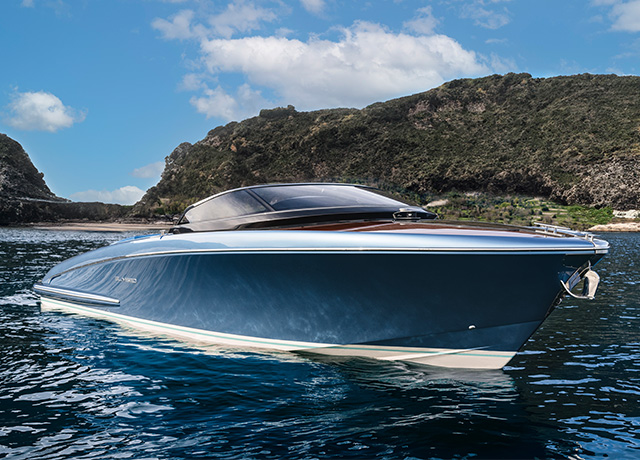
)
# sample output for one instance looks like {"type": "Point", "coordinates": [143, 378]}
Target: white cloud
{"type": "Point", "coordinates": [178, 28]}
{"type": "Point", "coordinates": [368, 64]}
{"type": "Point", "coordinates": [502, 65]}
{"type": "Point", "coordinates": [424, 23]}
{"type": "Point", "coordinates": [313, 6]}
{"type": "Point", "coordinates": [626, 16]}
{"type": "Point", "coordinates": [149, 171]}
{"type": "Point", "coordinates": [216, 103]}
{"type": "Point", "coordinates": [283, 32]}
{"type": "Point", "coordinates": [41, 111]}
{"type": "Point", "coordinates": [128, 194]}
{"type": "Point", "coordinates": [192, 82]}
{"type": "Point", "coordinates": [27, 3]}
{"type": "Point", "coordinates": [487, 18]}
{"type": "Point", "coordinates": [251, 101]}
{"type": "Point", "coordinates": [240, 16]}
{"type": "Point", "coordinates": [604, 2]}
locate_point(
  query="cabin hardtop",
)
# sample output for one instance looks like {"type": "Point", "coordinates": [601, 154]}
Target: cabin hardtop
{"type": "Point", "coordinates": [286, 205]}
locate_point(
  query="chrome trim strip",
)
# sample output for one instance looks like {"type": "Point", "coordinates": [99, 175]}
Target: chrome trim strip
{"type": "Point", "coordinates": [439, 251]}
{"type": "Point", "coordinates": [76, 295]}
{"type": "Point", "coordinates": [484, 251]}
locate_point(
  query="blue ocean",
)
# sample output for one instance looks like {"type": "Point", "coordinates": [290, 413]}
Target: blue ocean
{"type": "Point", "coordinates": [80, 388]}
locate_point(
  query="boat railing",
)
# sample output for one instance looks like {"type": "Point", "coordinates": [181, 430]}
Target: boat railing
{"type": "Point", "coordinates": [556, 230]}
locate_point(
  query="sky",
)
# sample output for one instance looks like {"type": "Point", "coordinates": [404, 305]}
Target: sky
{"type": "Point", "coordinates": [99, 92]}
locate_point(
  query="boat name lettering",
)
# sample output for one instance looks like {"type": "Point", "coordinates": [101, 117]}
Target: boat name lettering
{"type": "Point", "coordinates": [124, 279]}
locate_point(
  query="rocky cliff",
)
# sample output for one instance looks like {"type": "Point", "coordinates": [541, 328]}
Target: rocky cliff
{"type": "Point", "coordinates": [25, 197]}
{"type": "Point", "coordinates": [575, 140]}
{"type": "Point", "coordinates": [572, 140]}
{"type": "Point", "coordinates": [19, 178]}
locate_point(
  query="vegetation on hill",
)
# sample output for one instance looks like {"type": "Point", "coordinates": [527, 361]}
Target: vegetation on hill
{"type": "Point", "coordinates": [512, 149]}
{"type": "Point", "coordinates": [517, 210]}
{"type": "Point", "coordinates": [571, 140]}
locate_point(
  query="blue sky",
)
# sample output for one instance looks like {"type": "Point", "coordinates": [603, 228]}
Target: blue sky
{"type": "Point", "coordinates": [98, 92]}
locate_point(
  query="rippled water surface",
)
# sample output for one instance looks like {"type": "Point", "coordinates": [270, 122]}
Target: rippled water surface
{"type": "Point", "coordinates": [75, 387]}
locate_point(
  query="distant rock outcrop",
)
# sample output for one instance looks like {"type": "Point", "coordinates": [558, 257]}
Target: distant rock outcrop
{"type": "Point", "coordinates": [25, 197]}
{"type": "Point", "coordinates": [571, 140]}
{"type": "Point", "coordinates": [575, 140]}
{"type": "Point", "coordinates": [19, 178]}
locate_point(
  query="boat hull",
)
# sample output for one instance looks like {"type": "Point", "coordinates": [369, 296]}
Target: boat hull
{"type": "Point", "coordinates": [443, 357]}
{"type": "Point", "coordinates": [471, 308]}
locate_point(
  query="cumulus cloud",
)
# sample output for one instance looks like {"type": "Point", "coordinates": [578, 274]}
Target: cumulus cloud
{"type": "Point", "coordinates": [604, 2]}
{"type": "Point", "coordinates": [239, 16]}
{"type": "Point", "coordinates": [313, 6]}
{"type": "Point", "coordinates": [484, 17]}
{"type": "Point", "coordinates": [502, 65]}
{"type": "Point", "coordinates": [216, 103]}
{"type": "Point", "coordinates": [179, 27]}
{"type": "Point", "coordinates": [368, 63]}
{"type": "Point", "coordinates": [626, 16]}
{"type": "Point", "coordinates": [41, 111]}
{"type": "Point", "coordinates": [149, 171]}
{"type": "Point", "coordinates": [126, 195]}
{"type": "Point", "coordinates": [192, 82]}
{"type": "Point", "coordinates": [424, 23]}
{"type": "Point", "coordinates": [220, 104]}
{"type": "Point", "coordinates": [365, 63]}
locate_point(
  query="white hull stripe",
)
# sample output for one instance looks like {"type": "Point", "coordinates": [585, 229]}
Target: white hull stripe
{"type": "Point", "coordinates": [81, 296]}
{"type": "Point", "coordinates": [469, 358]}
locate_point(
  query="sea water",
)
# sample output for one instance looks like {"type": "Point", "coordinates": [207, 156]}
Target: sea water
{"type": "Point", "coordinates": [83, 388]}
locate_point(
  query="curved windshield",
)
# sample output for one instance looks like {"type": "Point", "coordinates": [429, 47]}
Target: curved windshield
{"type": "Point", "coordinates": [256, 200]}
{"type": "Point", "coordinates": [288, 197]}
{"type": "Point", "coordinates": [234, 204]}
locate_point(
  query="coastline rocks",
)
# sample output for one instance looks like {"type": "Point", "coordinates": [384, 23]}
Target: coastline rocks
{"type": "Point", "coordinates": [19, 178]}
{"type": "Point", "coordinates": [630, 214]}
{"type": "Point", "coordinates": [617, 227]}
{"type": "Point", "coordinates": [571, 139]}
{"type": "Point", "coordinates": [15, 211]}
{"type": "Point", "coordinates": [25, 197]}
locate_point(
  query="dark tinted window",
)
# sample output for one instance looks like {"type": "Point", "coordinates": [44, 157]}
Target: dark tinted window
{"type": "Point", "coordinates": [283, 198]}
{"type": "Point", "coordinates": [232, 204]}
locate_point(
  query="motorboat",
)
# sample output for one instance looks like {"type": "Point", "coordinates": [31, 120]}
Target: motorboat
{"type": "Point", "coordinates": [334, 269]}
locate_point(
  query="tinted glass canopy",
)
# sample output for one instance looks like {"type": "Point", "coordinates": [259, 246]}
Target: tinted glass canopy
{"type": "Point", "coordinates": [268, 205]}
{"type": "Point", "coordinates": [285, 198]}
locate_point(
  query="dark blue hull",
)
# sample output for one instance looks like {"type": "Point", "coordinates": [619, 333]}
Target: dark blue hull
{"type": "Point", "coordinates": [472, 303]}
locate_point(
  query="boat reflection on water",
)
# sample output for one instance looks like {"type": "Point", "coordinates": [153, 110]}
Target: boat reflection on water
{"type": "Point", "coordinates": [334, 269]}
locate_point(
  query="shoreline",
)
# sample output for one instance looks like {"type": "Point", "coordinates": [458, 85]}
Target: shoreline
{"type": "Point", "coordinates": [160, 226]}
{"type": "Point", "coordinates": [156, 227]}
{"type": "Point", "coordinates": [616, 227]}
